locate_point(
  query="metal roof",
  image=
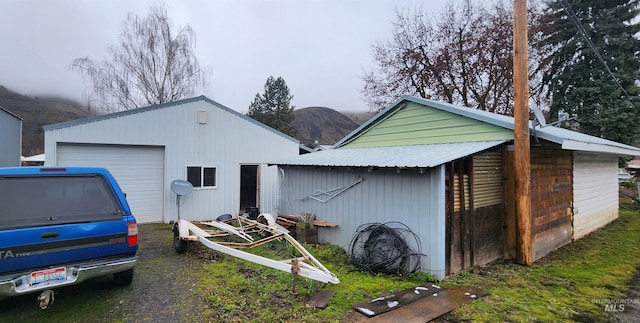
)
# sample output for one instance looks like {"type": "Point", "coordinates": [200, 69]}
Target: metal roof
{"type": "Point", "coordinates": [396, 156]}
{"type": "Point", "coordinates": [10, 113]}
{"type": "Point", "coordinates": [162, 106]}
{"type": "Point", "coordinates": [573, 140]}
{"type": "Point", "coordinates": [569, 139]}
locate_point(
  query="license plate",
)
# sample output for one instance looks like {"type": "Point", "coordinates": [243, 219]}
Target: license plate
{"type": "Point", "coordinates": [48, 275]}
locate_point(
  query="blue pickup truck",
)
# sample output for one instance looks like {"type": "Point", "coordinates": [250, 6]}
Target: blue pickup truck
{"type": "Point", "coordinates": [60, 226]}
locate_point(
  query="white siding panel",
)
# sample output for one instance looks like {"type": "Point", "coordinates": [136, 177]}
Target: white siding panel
{"type": "Point", "coordinates": [138, 169]}
{"type": "Point", "coordinates": [417, 200]}
{"type": "Point", "coordinates": [595, 191]}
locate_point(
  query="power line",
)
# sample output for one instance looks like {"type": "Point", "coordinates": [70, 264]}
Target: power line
{"type": "Point", "coordinates": [574, 18]}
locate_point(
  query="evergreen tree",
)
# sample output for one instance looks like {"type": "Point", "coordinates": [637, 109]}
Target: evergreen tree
{"type": "Point", "coordinates": [598, 84]}
{"type": "Point", "coordinates": [274, 108]}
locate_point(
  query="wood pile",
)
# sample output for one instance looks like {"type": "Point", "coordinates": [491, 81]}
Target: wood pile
{"type": "Point", "coordinates": [290, 222]}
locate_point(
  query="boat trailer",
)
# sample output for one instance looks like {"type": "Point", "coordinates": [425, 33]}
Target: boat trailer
{"type": "Point", "coordinates": [264, 226]}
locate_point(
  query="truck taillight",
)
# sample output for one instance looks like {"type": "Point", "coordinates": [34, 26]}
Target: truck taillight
{"type": "Point", "coordinates": [132, 236]}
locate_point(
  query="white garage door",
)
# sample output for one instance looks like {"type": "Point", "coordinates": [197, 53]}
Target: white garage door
{"type": "Point", "coordinates": [138, 169]}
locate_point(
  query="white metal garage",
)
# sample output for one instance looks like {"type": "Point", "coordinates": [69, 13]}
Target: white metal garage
{"type": "Point", "coordinates": [138, 169]}
{"type": "Point", "coordinates": [141, 145]}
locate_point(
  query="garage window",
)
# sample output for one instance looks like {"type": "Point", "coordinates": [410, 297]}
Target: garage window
{"type": "Point", "coordinates": [201, 176]}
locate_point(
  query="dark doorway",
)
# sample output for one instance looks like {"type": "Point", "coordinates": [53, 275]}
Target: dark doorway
{"type": "Point", "coordinates": [249, 190]}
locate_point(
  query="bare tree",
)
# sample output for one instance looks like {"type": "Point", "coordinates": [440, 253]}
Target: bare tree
{"type": "Point", "coordinates": [151, 65]}
{"type": "Point", "coordinates": [464, 57]}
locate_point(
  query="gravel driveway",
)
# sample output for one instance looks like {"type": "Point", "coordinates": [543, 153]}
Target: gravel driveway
{"type": "Point", "coordinates": [163, 290]}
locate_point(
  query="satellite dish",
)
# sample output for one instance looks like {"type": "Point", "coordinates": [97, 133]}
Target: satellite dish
{"type": "Point", "coordinates": [181, 187]}
{"type": "Point", "coordinates": [542, 121]}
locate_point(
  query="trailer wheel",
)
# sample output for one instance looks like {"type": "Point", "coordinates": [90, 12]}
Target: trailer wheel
{"type": "Point", "coordinates": [179, 244]}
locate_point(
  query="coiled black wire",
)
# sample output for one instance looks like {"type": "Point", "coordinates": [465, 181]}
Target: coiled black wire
{"type": "Point", "coordinates": [383, 248]}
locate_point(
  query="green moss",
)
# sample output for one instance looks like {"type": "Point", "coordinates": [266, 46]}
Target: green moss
{"type": "Point", "coordinates": [563, 286]}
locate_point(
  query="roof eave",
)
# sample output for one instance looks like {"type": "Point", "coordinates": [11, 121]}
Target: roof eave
{"type": "Point", "coordinates": [593, 147]}
{"type": "Point", "coordinates": [11, 113]}
{"type": "Point", "coordinates": [382, 114]}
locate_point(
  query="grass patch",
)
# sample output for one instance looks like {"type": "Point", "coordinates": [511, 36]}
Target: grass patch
{"type": "Point", "coordinates": [240, 291]}
{"type": "Point", "coordinates": [205, 286]}
{"type": "Point", "coordinates": [563, 286]}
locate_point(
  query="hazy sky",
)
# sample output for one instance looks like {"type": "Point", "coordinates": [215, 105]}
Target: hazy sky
{"type": "Point", "coordinates": [319, 47]}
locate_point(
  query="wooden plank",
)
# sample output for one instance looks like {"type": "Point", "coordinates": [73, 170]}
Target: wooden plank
{"type": "Point", "coordinates": [429, 308]}
{"type": "Point", "coordinates": [324, 224]}
{"type": "Point", "coordinates": [510, 207]}
{"type": "Point", "coordinates": [390, 302]}
{"type": "Point", "coordinates": [296, 218]}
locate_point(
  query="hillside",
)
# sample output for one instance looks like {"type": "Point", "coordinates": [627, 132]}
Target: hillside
{"type": "Point", "coordinates": [37, 112]}
{"type": "Point", "coordinates": [325, 125]}
{"type": "Point", "coordinates": [359, 117]}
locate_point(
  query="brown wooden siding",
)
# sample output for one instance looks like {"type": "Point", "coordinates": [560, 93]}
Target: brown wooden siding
{"type": "Point", "coordinates": [474, 232]}
{"type": "Point", "coordinates": [551, 198]}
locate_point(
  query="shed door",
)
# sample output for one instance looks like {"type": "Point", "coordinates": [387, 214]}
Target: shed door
{"type": "Point", "coordinates": [249, 186]}
{"type": "Point", "coordinates": [138, 169]}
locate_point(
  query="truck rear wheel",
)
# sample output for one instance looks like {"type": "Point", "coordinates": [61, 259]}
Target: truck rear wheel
{"type": "Point", "coordinates": [179, 244]}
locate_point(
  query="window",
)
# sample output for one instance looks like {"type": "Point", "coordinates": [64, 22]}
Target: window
{"type": "Point", "coordinates": [200, 176]}
{"type": "Point", "coordinates": [32, 201]}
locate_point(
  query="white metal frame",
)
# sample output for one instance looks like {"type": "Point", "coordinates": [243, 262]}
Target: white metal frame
{"type": "Point", "coordinates": [306, 266]}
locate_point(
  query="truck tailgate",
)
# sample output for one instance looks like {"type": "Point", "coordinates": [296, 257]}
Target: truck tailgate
{"type": "Point", "coordinates": [50, 245]}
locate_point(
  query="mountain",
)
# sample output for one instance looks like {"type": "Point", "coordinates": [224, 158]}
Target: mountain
{"type": "Point", "coordinates": [37, 112]}
{"type": "Point", "coordinates": [325, 125]}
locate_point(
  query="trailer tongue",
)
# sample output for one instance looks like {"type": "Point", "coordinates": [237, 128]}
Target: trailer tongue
{"type": "Point", "coordinates": [306, 265]}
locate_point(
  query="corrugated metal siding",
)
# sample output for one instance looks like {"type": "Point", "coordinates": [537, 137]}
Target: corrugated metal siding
{"type": "Point", "coordinates": [487, 179]}
{"type": "Point", "coordinates": [416, 124]}
{"type": "Point", "coordinates": [226, 141]}
{"type": "Point", "coordinates": [595, 189]}
{"type": "Point", "coordinates": [10, 139]}
{"type": "Point", "coordinates": [456, 192]}
{"type": "Point", "coordinates": [414, 199]}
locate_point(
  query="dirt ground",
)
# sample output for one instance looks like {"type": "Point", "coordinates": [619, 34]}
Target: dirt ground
{"type": "Point", "coordinates": [163, 289]}
{"type": "Point", "coordinates": [631, 312]}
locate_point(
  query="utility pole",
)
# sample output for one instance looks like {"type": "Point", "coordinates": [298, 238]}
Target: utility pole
{"type": "Point", "coordinates": [522, 150]}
